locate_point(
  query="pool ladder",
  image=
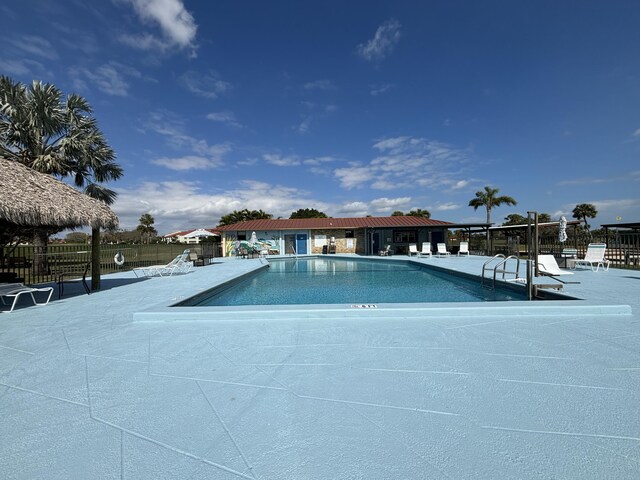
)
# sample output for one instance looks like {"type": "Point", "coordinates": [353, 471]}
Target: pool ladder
{"type": "Point", "coordinates": [500, 267]}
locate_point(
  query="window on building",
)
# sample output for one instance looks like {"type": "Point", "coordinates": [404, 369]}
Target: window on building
{"type": "Point", "coordinates": [242, 236]}
{"type": "Point", "coordinates": [349, 234]}
{"type": "Point", "coordinates": [404, 236]}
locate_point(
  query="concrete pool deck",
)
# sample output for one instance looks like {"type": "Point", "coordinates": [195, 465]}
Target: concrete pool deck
{"type": "Point", "coordinates": [89, 389]}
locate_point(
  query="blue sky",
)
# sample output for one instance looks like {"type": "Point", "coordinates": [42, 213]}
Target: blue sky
{"type": "Point", "coordinates": [352, 108]}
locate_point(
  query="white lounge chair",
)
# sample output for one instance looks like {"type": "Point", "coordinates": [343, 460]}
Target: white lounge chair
{"type": "Point", "coordinates": [180, 264]}
{"type": "Point", "coordinates": [548, 266]}
{"type": "Point", "coordinates": [413, 249]}
{"type": "Point", "coordinates": [386, 252]}
{"type": "Point", "coordinates": [442, 250]}
{"type": "Point", "coordinates": [594, 257]}
{"type": "Point", "coordinates": [464, 248]}
{"type": "Point", "coordinates": [426, 250]}
{"type": "Point", "coordinates": [14, 290]}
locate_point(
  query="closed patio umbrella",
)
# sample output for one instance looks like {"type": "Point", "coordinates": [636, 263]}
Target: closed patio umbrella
{"type": "Point", "coordinates": [562, 234]}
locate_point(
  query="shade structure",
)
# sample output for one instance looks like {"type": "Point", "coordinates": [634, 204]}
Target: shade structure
{"type": "Point", "coordinates": [30, 198]}
{"type": "Point", "coordinates": [199, 233]}
{"type": "Point", "coordinates": [562, 233]}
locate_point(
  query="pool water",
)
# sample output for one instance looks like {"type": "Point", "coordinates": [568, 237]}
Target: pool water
{"type": "Point", "coordinates": [325, 280]}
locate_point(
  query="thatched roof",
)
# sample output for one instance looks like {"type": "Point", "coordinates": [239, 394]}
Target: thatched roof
{"type": "Point", "coordinates": [31, 198]}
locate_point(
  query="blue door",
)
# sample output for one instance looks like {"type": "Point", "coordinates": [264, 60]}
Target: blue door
{"type": "Point", "coordinates": [301, 243]}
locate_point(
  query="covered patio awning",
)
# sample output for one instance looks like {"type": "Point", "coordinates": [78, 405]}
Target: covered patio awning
{"type": "Point", "coordinates": [631, 225]}
{"type": "Point", "coordinates": [30, 198]}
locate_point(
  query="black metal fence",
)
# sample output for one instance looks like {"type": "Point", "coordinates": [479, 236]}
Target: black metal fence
{"type": "Point", "coordinates": [23, 264]}
{"type": "Point", "coordinates": [623, 248]}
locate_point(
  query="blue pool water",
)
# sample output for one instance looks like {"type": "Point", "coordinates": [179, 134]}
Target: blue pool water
{"type": "Point", "coordinates": [325, 280]}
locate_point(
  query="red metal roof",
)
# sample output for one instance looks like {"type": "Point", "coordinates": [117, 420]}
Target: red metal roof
{"type": "Point", "coordinates": [328, 223]}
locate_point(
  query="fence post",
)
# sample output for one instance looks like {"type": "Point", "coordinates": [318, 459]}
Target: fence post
{"type": "Point", "coordinates": [95, 258]}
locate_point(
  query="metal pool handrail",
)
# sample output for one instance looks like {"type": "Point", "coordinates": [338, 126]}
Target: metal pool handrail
{"type": "Point", "coordinates": [485, 265]}
{"type": "Point", "coordinates": [504, 270]}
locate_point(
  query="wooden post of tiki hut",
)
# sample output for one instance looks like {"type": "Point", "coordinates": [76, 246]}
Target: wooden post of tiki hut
{"type": "Point", "coordinates": [35, 200]}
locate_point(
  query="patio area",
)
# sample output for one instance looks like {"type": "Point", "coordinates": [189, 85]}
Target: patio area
{"type": "Point", "coordinates": [89, 389]}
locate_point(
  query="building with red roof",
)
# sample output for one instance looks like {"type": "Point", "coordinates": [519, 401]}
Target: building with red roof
{"type": "Point", "coordinates": [361, 235]}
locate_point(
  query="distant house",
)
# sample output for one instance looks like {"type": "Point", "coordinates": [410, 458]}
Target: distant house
{"type": "Point", "coordinates": [190, 237]}
{"type": "Point", "coordinates": [364, 235]}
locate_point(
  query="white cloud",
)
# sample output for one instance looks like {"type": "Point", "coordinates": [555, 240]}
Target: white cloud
{"type": "Point", "coordinates": [280, 161]}
{"type": "Point", "coordinates": [353, 209]}
{"type": "Point", "coordinates": [178, 205]}
{"type": "Point", "coordinates": [319, 85]}
{"type": "Point", "coordinates": [228, 118]}
{"type": "Point", "coordinates": [381, 45]}
{"type": "Point", "coordinates": [376, 90]}
{"type": "Point", "coordinates": [108, 78]}
{"type": "Point", "coordinates": [406, 162]}
{"type": "Point", "coordinates": [445, 207]}
{"type": "Point", "coordinates": [459, 184]}
{"type": "Point", "coordinates": [304, 125]}
{"type": "Point", "coordinates": [353, 176]}
{"type": "Point", "coordinates": [316, 161]}
{"type": "Point", "coordinates": [614, 205]}
{"type": "Point", "coordinates": [198, 153]}
{"type": "Point", "coordinates": [636, 134]}
{"type": "Point", "coordinates": [209, 85]}
{"type": "Point", "coordinates": [316, 111]}
{"type": "Point", "coordinates": [23, 67]}
{"type": "Point", "coordinates": [177, 25]}
{"type": "Point", "coordinates": [34, 45]}
{"type": "Point", "coordinates": [390, 143]}
{"type": "Point", "coordinates": [188, 162]}
{"type": "Point", "coordinates": [388, 205]}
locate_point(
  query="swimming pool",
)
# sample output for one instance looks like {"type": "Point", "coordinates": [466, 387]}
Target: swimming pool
{"type": "Point", "coordinates": [325, 280]}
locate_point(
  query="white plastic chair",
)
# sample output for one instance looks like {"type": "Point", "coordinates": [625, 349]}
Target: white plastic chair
{"type": "Point", "coordinates": [413, 249]}
{"type": "Point", "coordinates": [442, 250]}
{"type": "Point", "coordinates": [594, 257]}
{"type": "Point", "coordinates": [426, 250]}
{"type": "Point", "coordinates": [464, 248]}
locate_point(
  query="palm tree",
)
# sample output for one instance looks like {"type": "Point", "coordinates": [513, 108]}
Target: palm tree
{"type": "Point", "coordinates": [146, 227]}
{"type": "Point", "coordinates": [57, 136]}
{"type": "Point", "coordinates": [584, 211]}
{"type": "Point", "coordinates": [245, 215]}
{"type": "Point", "coordinates": [489, 199]}
{"type": "Point", "coordinates": [419, 213]}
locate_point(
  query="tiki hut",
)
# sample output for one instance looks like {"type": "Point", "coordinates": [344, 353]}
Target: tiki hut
{"type": "Point", "coordinates": [30, 198]}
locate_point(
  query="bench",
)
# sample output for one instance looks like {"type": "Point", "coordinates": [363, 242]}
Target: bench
{"type": "Point", "coordinates": [70, 266]}
{"type": "Point", "coordinates": [18, 262]}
